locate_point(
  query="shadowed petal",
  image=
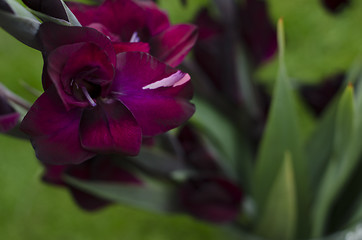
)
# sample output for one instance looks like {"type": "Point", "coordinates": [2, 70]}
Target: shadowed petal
{"type": "Point", "coordinates": [8, 116]}
{"type": "Point", "coordinates": [54, 131]}
{"type": "Point", "coordinates": [172, 45]}
{"type": "Point", "coordinates": [156, 94]}
{"type": "Point", "coordinates": [157, 20]}
{"type": "Point", "coordinates": [212, 199]}
{"type": "Point", "coordinates": [54, 35]}
{"type": "Point", "coordinates": [121, 17]}
{"type": "Point", "coordinates": [131, 47]}
{"type": "Point", "coordinates": [69, 64]}
{"type": "Point", "coordinates": [110, 127]}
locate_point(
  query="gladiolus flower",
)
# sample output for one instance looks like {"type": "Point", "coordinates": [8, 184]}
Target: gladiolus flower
{"type": "Point", "coordinates": [211, 199]}
{"type": "Point", "coordinates": [139, 21]}
{"type": "Point", "coordinates": [98, 101]}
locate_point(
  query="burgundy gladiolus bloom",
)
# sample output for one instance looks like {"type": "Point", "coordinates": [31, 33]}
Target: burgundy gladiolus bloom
{"type": "Point", "coordinates": [196, 154]}
{"type": "Point", "coordinates": [212, 199]}
{"type": "Point", "coordinates": [139, 21]}
{"type": "Point", "coordinates": [100, 99]}
{"type": "Point", "coordinates": [100, 168]}
{"type": "Point", "coordinates": [8, 116]}
{"type": "Point", "coordinates": [257, 30]}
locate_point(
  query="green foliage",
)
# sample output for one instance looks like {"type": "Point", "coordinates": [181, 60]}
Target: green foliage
{"type": "Point", "coordinates": [150, 197]}
{"type": "Point", "coordinates": [33, 210]}
{"type": "Point", "coordinates": [281, 135]}
{"type": "Point", "coordinates": [279, 218]}
{"type": "Point", "coordinates": [319, 43]}
{"type": "Point", "coordinates": [179, 13]}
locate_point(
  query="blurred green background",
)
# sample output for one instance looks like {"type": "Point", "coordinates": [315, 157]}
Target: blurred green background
{"type": "Point", "coordinates": [319, 44]}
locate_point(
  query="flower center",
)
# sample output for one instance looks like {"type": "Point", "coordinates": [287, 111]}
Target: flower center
{"type": "Point", "coordinates": [84, 90]}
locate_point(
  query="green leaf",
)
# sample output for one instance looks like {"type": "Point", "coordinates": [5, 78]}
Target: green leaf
{"type": "Point", "coordinates": [179, 13]}
{"type": "Point", "coordinates": [344, 158]}
{"type": "Point", "coordinates": [320, 44]}
{"type": "Point", "coordinates": [149, 197]}
{"type": "Point", "coordinates": [279, 217]}
{"type": "Point", "coordinates": [225, 138]}
{"type": "Point", "coordinates": [19, 10]}
{"type": "Point", "coordinates": [344, 122]}
{"type": "Point", "coordinates": [71, 17]}
{"type": "Point", "coordinates": [320, 144]}
{"type": "Point", "coordinates": [22, 27]}
{"type": "Point", "coordinates": [161, 164]}
{"type": "Point", "coordinates": [281, 134]}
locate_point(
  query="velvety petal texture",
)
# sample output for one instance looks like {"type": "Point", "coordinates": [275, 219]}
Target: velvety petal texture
{"type": "Point", "coordinates": [172, 45]}
{"type": "Point", "coordinates": [110, 127]}
{"type": "Point", "coordinates": [96, 104]}
{"type": "Point", "coordinates": [67, 41]}
{"type": "Point", "coordinates": [156, 94]}
{"type": "Point", "coordinates": [121, 20]}
{"type": "Point", "coordinates": [121, 17]}
{"type": "Point", "coordinates": [54, 130]}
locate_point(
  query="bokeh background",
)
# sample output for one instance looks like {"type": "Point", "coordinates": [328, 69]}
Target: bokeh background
{"type": "Point", "coordinates": [319, 45]}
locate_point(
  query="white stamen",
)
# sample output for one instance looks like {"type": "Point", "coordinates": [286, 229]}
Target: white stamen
{"type": "Point", "coordinates": [89, 98]}
{"type": "Point", "coordinates": [134, 38]}
{"type": "Point", "coordinates": [176, 79]}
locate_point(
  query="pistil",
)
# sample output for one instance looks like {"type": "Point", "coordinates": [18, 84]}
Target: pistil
{"type": "Point", "coordinates": [89, 98]}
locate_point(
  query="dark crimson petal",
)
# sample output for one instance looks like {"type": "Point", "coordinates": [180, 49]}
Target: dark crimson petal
{"type": "Point", "coordinates": [211, 199]}
{"type": "Point", "coordinates": [8, 121]}
{"type": "Point", "coordinates": [8, 116]}
{"type": "Point", "coordinates": [156, 94]}
{"type": "Point", "coordinates": [54, 35]}
{"type": "Point", "coordinates": [53, 8]}
{"type": "Point", "coordinates": [110, 127]}
{"type": "Point", "coordinates": [53, 174]}
{"type": "Point", "coordinates": [87, 201]}
{"type": "Point", "coordinates": [196, 154]}
{"type": "Point", "coordinates": [157, 20]}
{"type": "Point", "coordinates": [54, 131]}
{"type": "Point", "coordinates": [68, 63]}
{"type": "Point", "coordinates": [172, 45]}
{"type": "Point", "coordinates": [121, 17]}
{"type": "Point", "coordinates": [103, 29]}
{"type": "Point", "coordinates": [131, 47]}
{"type": "Point", "coordinates": [257, 30]}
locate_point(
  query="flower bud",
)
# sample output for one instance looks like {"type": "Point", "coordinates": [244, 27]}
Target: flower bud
{"type": "Point", "coordinates": [19, 22]}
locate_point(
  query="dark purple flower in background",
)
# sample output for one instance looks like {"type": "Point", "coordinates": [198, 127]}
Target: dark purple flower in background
{"type": "Point", "coordinates": [9, 118]}
{"type": "Point", "coordinates": [319, 96]}
{"type": "Point", "coordinates": [100, 168]}
{"type": "Point", "coordinates": [212, 199]}
{"type": "Point", "coordinates": [139, 21]}
{"type": "Point", "coordinates": [196, 154]}
{"type": "Point", "coordinates": [257, 31]}
{"type": "Point", "coordinates": [335, 6]}
{"type": "Point", "coordinates": [98, 100]}
{"type": "Point", "coordinates": [216, 51]}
